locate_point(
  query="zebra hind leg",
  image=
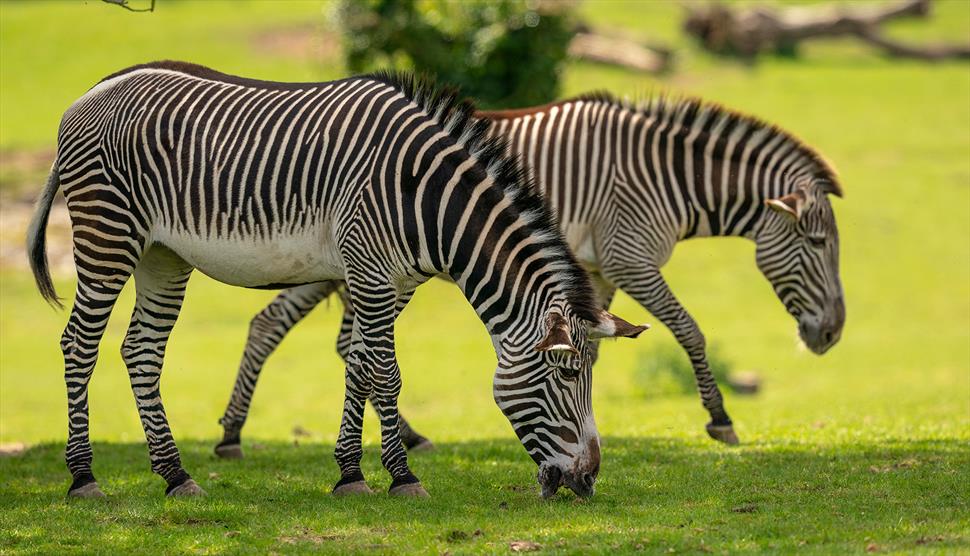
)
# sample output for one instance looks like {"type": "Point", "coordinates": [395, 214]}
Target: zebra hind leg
{"type": "Point", "coordinates": [413, 440]}
{"type": "Point", "coordinates": [92, 306]}
{"type": "Point", "coordinates": [266, 331]}
{"type": "Point", "coordinates": [160, 281]}
{"type": "Point", "coordinates": [650, 290]}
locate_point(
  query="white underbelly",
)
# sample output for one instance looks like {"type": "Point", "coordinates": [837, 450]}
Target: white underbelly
{"type": "Point", "coordinates": [309, 256]}
{"type": "Point", "coordinates": [580, 239]}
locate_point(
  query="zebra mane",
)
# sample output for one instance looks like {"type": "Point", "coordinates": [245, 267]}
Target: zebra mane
{"type": "Point", "coordinates": [694, 112]}
{"type": "Point", "coordinates": [454, 115]}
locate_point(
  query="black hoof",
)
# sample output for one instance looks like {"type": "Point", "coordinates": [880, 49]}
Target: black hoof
{"type": "Point", "coordinates": [188, 488]}
{"type": "Point", "coordinates": [89, 490]}
{"type": "Point", "coordinates": [723, 433]}
{"type": "Point", "coordinates": [229, 451]}
{"type": "Point", "coordinates": [351, 489]}
{"type": "Point", "coordinates": [409, 489]}
{"type": "Point", "coordinates": [422, 445]}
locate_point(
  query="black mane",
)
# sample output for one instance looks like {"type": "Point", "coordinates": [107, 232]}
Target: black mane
{"type": "Point", "coordinates": [690, 109]}
{"type": "Point", "coordinates": [455, 116]}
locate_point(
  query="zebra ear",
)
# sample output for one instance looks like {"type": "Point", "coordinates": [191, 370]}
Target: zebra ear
{"type": "Point", "coordinates": [557, 335]}
{"type": "Point", "coordinates": [612, 326]}
{"type": "Point", "coordinates": [792, 204]}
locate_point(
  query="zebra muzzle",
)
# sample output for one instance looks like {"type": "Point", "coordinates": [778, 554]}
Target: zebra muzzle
{"type": "Point", "coordinates": [550, 479]}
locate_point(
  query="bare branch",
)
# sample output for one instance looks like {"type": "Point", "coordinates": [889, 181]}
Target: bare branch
{"type": "Point", "coordinates": [124, 4]}
{"type": "Point", "coordinates": [619, 51]}
{"type": "Point", "coordinates": [749, 32]}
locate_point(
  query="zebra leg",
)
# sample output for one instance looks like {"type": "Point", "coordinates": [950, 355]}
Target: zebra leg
{"type": "Point", "coordinates": [160, 281]}
{"type": "Point", "coordinates": [651, 291]}
{"type": "Point", "coordinates": [92, 306]}
{"type": "Point", "coordinates": [372, 372]}
{"type": "Point", "coordinates": [387, 389]}
{"type": "Point", "coordinates": [413, 440]}
{"type": "Point", "coordinates": [266, 331]}
{"type": "Point", "coordinates": [604, 296]}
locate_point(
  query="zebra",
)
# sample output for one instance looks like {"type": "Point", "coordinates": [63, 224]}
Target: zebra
{"type": "Point", "coordinates": [382, 181]}
{"type": "Point", "coordinates": [629, 180]}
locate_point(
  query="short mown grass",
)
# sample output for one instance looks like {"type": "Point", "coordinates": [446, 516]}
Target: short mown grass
{"type": "Point", "coordinates": [656, 494]}
{"type": "Point", "coordinates": [865, 448]}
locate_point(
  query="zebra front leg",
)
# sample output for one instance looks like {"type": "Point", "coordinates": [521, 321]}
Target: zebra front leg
{"type": "Point", "coordinates": [651, 291]}
{"type": "Point", "coordinates": [266, 331]}
{"type": "Point", "coordinates": [79, 343]}
{"type": "Point", "coordinates": [413, 440]}
{"type": "Point", "coordinates": [348, 450]}
{"type": "Point", "coordinates": [160, 282]}
{"type": "Point", "coordinates": [372, 369]}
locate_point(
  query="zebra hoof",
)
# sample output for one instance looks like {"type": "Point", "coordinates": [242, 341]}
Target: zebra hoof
{"type": "Point", "coordinates": [423, 445]}
{"type": "Point", "coordinates": [229, 451]}
{"type": "Point", "coordinates": [188, 488]}
{"type": "Point", "coordinates": [723, 433]}
{"type": "Point", "coordinates": [351, 489]}
{"type": "Point", "coordinates": [90, 490]}
{"type": "Point", "coordinates": [410, 489]}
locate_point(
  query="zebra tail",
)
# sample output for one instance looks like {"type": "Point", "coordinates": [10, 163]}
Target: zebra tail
{"type": "Point", "coordinates": [37, 240]}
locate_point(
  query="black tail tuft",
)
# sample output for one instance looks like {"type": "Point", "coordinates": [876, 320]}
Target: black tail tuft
{"type": "Point", "coordinates": [37, 240]}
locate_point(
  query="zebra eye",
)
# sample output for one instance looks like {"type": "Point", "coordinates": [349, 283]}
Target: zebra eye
{"type": "Point", "coordinates": [817, 241]}
{"type": "Point", "coordinates": [568, 373]}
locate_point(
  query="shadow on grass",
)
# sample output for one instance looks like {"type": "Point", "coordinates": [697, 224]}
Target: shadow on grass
{"type": "Point", "coordinates": [656, 494]}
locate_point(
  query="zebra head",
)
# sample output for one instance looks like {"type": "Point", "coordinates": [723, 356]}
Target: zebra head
{"type": "Point", "coordinates": [543, 388]}
{"type": "Point", "coordinates": [798, 251]}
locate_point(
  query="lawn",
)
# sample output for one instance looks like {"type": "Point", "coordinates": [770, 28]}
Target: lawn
{"type": "Point", "coordinates": [864, 449]}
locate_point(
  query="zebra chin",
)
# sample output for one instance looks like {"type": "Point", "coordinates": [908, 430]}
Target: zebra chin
{"type": "Point", "coordinates": [578, 475]}
{"type": "Point", "coordinates": [820, 335]}
{"type": "Point", "coordinates": [551, 478]}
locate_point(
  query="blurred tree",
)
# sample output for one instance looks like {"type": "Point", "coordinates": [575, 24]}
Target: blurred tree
{"type": "Point", "coordinates": [504, 53]}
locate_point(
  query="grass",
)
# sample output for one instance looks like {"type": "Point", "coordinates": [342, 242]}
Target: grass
{"type": "Point", "coordinates": [865, 448]}
{"type": "Point", "coordinates": [893, 495]}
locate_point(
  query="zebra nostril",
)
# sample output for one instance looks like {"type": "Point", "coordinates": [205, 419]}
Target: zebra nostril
{"type": "Point", "coordinates": [589, 479]}
{"type": "Point", "coordinates": [827, 337]}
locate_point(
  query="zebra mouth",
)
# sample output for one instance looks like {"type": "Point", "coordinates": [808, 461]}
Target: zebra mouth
{"type": "Point", "coordinates": [582, 486]}
{"type": "Point", "coordinates": [550, 479]}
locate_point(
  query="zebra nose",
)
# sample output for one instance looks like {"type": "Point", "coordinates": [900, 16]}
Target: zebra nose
{"type": "Point", "coordinates": [589, 479]}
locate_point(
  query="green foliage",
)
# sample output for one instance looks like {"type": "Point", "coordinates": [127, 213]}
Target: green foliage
{"type": "Point", "coordinates": [666, 371]}
{"type": "Point", "coordinates": [504, 53]}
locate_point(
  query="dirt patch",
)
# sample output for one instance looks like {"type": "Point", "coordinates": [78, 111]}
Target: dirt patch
{"type": "Point", "coordinates": [15, 216]}
{"type": "Point", "coordinates": [305, 535]}
{"type": "Point", "coordinates": [302, 42]}
{"type": "Point", "coordinates": [23, 171]}
{"type": "Point", "coordinates": [13, 449]}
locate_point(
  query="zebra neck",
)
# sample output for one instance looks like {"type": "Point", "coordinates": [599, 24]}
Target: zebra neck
{"type": "Point", "coordinates": [703, 185]}
{"type": "Point", "coordinates": [508, 287]}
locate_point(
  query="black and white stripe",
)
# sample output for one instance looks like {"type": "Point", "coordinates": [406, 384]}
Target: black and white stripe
{"type": "Point", "coordinates": [381, 181]}
{"type": "Point", "coordinates": [628, 182]}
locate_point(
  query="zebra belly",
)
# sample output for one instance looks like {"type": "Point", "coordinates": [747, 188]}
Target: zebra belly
{"type": "Point", "coordinates": [259, 262]}
{"type": "Point", "coordinates": [579, 237]}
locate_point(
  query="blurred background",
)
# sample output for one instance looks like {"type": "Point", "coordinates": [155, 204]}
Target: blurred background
{"type": "Point", "coordinates": [885, 97]}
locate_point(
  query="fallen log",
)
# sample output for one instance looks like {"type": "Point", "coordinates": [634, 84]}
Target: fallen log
{"type": "Point", "coordinates": [750, 32]}
{"type": "Point", "coordinates": [619, 51]}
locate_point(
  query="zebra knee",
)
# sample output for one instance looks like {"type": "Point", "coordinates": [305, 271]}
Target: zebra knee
{"type": "Point", "coordinates": [69, 339]}
{"type": "Point", "coordinates": [263, 323]}
{"type": "Point", "coordinates": [129, 347]}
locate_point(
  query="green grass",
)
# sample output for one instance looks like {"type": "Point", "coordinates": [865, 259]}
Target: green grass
{"type": "Point", "coordinates": [660, 495]}
{"type": "Point", "coordinates": [868, 445]}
